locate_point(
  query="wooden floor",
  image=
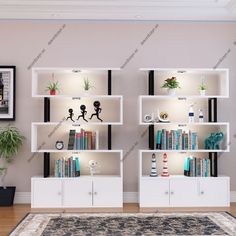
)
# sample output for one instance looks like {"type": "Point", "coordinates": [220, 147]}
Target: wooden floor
{"type": "Point", "coordinates": [10, 216]}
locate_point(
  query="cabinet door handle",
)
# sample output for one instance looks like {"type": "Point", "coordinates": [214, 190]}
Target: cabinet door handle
{"type": "Point", "coordinates": [166, 193]}
{"type": "Point", "coordinates": [171, 192]}
{"type": "Point", "coordinates": [95, 193]}
{"type": "Point", "coordinates": [59, 193]}
{"type": "Point", "coordinates": [202, 192]}
{"type": "Point", "coordinates": [90, 193]}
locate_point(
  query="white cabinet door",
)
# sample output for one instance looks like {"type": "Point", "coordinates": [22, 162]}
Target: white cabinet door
{"type": "Point", "coordinates": [46, 193]}
{"type": "Point", "coordinates": [183, 192]}
{"type": "Point", "coordinates": [77, 192]}
{"type": "Point", "coordinates": [107, 192]}
{"type": "Point", "coordinates": [154, 192]}
{"type": "Point", "coordinates": [214, 192]}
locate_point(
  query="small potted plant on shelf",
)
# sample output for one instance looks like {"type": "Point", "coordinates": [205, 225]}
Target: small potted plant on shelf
{"type": "Point", "coordinates": [87, 86]}
{"type": "Point", "coordinates": [171, 84]}
{"type": "Point", "coordinates": [53, 87]}
{"type": "Point", "coordinates": [202, 89]}
{"type": "Point", "coordinates": [10, 142]}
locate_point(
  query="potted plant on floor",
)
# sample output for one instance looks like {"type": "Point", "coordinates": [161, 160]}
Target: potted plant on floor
{"type": "Point", "coordinates": [171, 84]}
{"type": "Point", "coordinates": [10, 142]}
{"type": "Point", "coordinates": [87, 86]}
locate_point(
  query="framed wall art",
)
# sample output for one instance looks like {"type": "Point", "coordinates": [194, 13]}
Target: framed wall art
{"type": "Point", "coordinates": [7, 92]}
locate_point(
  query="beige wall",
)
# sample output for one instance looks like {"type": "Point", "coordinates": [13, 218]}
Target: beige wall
{"type": "Point", "coordinates": [109, 45]}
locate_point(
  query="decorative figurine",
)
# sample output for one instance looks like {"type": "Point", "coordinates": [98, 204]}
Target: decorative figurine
{"type": "Point", "coordinates": [83, 112]}
{"type": "Point", "coordinates": [165, 172]}
{"type": "Point", "coordinates": [154, 166]}
{"type": "Point", "coordinates": [71, 114]}
{"type": "Point", "coordinates": [212, 142]}
{"type": "Point", "coordinates": [59, 145]}
{"type": "Point", "coordinates": [93, 167]}
{"type": "Point", "coordinates": [97, 109]}
{"type": "Point", "coordinates": [162, 116]}
{"type": "Point", "coordinates": [148, 118]}
{"type": "Point", "coordinates": [201, 117]}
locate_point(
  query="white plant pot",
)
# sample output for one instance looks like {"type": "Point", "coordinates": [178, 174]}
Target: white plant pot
{"type": "Point", "coordinates": [202, 92]}
{"type": "Point", "coordinates": [86, 93]}
{"type": "Point", "coordinates": [171, 92]}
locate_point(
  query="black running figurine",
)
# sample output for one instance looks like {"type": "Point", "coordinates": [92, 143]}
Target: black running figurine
{"type": "Point", "coordinates": [97, 109]}
{"type": "Point", "coordinates": [71, 114]}
{"type": "Point", "coordinates": [83, 112]}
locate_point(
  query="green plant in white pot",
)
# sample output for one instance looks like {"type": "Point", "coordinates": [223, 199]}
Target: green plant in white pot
{"type": "Point", "coordinates": [87, 86]}
{"type": "Point", "coordinates": [10, 142]}
{"type": "Point", "coordinates": [202, 89]}
{"type": "Point", "coordinates": [171, 84]}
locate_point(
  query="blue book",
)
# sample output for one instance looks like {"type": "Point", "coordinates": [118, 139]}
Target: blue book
{"type": "Point", "coordinates": [158, 140]}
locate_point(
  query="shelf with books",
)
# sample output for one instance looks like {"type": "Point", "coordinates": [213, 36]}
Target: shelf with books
{"type": "Point", "coordinates": [214, 136]}
{"type": "Point", "coordinates": [76, 135]}
{"type": "Point", "coordinates": [83, 138]}
{"type": "Point", "coordinates": [185, 138]}
{"type": "Point", "coordinates": [215, 82]}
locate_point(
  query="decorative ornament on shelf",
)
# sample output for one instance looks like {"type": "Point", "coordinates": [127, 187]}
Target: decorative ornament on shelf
{"type": "Point", "coordinates": [87, 86]}
{"type": "Point", "coordinates": [97, 109]}
{"type": "Point", "coordinates": [165, 172]}
{"type": "Point", "coordinates": [201, 116]}
{"type": "Point", "coordinates": [53, 87]}
{"type": "Point", "coordinates": [154, 166]}
{"type": "Point", "coordinates": [171, 84]}
{"type": "Point", "coordinates": [191, 114]}
{"type": "Point", "coordinates": [162, 116]}
{"type": "Point", "coordinates": [71, 114]}
{"type": "Point", "coordinates": [93, 167]}
{"type": "Point", "coordinates": [213, 141]}
{"type": "Point", "coordinates": [149, 118]}
{"type": "Point", "coordinates": [59, 145]}
{"type": "Point", "coordinates": [83, 112]}
{"type": "Point", "coordinates": [202, 88]}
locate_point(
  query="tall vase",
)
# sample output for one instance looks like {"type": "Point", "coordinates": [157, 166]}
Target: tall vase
{"type": "Point", "coordinates": [171, 92]}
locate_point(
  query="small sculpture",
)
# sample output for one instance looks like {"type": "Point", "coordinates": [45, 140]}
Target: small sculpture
{"type": "Point", "coordinates": [191, 114]}
{"type": "Point", "coordinates": [93, 167]}
{"type": "Point", "coordinates": [201, 116]}
{"type": "Point", "coordinates": [97, 109]}
{"type": "Point", "coordinates": [71, 114]}
{"type": "Point", "coordinates": [154, 166]}
{"type": "Point", "coordinates": [212, 142]}
{"type": "Point", "coordinates": [83, 112]}
{"type": "Point", "coordinates": [165, 172]}
{"type": "Point", "coordinates": [162, 116]}
{"type": "Point", "coordinates": [148, 118]}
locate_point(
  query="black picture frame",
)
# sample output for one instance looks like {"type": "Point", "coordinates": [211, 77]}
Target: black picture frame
{"type": "Point", "coordinates": [7, 93]}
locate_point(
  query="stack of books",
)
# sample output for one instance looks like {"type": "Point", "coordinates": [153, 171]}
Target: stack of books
{"type": "Point", "coordinates": [83, 140]}
{"type": "Point", "coordinates": [176, 140]}
{"type": "Point", "coordinates": [67, 167]}
{"type": "Point", "coordinates": [197, 167]}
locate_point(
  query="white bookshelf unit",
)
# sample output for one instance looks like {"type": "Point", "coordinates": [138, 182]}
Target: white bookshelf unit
{"type": "Point", "coordinates": [87, 192]}
{"type": "Point", "coordinates": [179, 190]}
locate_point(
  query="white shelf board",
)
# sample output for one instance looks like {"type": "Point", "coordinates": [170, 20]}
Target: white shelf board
{"type": "Point", "coordinates": [78, 97]}
{"type": "Point", "coordinates": [77, 151]}
{"type": "Point", "coordinates": [76, 124]}
{"type": "Point", "coordinates": [183, 151]}
{"type": "Point", "coordinates": [184, 69]}
{"type": "Point", "coordinates": [77, 178]}
{"type": "Point", "coordinates": [179, 176]}
{"type": "Point", "coordinates": [187, 124]}
{"type": "Point", "coordinates": [181, 97]}
{"type": "Point", "coordinates": [70, 69]}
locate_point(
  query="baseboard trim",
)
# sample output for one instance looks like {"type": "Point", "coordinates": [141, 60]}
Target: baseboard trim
{"type": "Point", "coordinates": [129, 197]}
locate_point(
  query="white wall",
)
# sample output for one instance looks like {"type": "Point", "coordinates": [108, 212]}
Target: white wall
{"type": "Point", "coordinates": [102, 44]}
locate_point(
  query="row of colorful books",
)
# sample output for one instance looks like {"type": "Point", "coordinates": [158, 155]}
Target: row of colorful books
{"type": "Point", "coordinates": [176, 140]}
{"type": "Point", "coordinates": [197, 167]}
{"type": "Point", "coordinates": [83, 140]}
{"type": "Point", "coordinates": [69, 167]}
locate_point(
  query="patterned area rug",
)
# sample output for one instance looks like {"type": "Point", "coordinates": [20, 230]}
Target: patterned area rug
{"type": "Point", "coordinates": [126, 224]}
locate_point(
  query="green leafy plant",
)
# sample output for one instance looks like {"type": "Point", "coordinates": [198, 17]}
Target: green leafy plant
{"type": "Point", "coordinates": [87, 85]}
{"type": "Point", "coordinates": [10, 142]}
{"type": "Point", "coordinates": [53, 86]}
{"type": "Point", "coordinates": [171, 83]}
{"type": "Point", "coordinates": [202, 86]}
